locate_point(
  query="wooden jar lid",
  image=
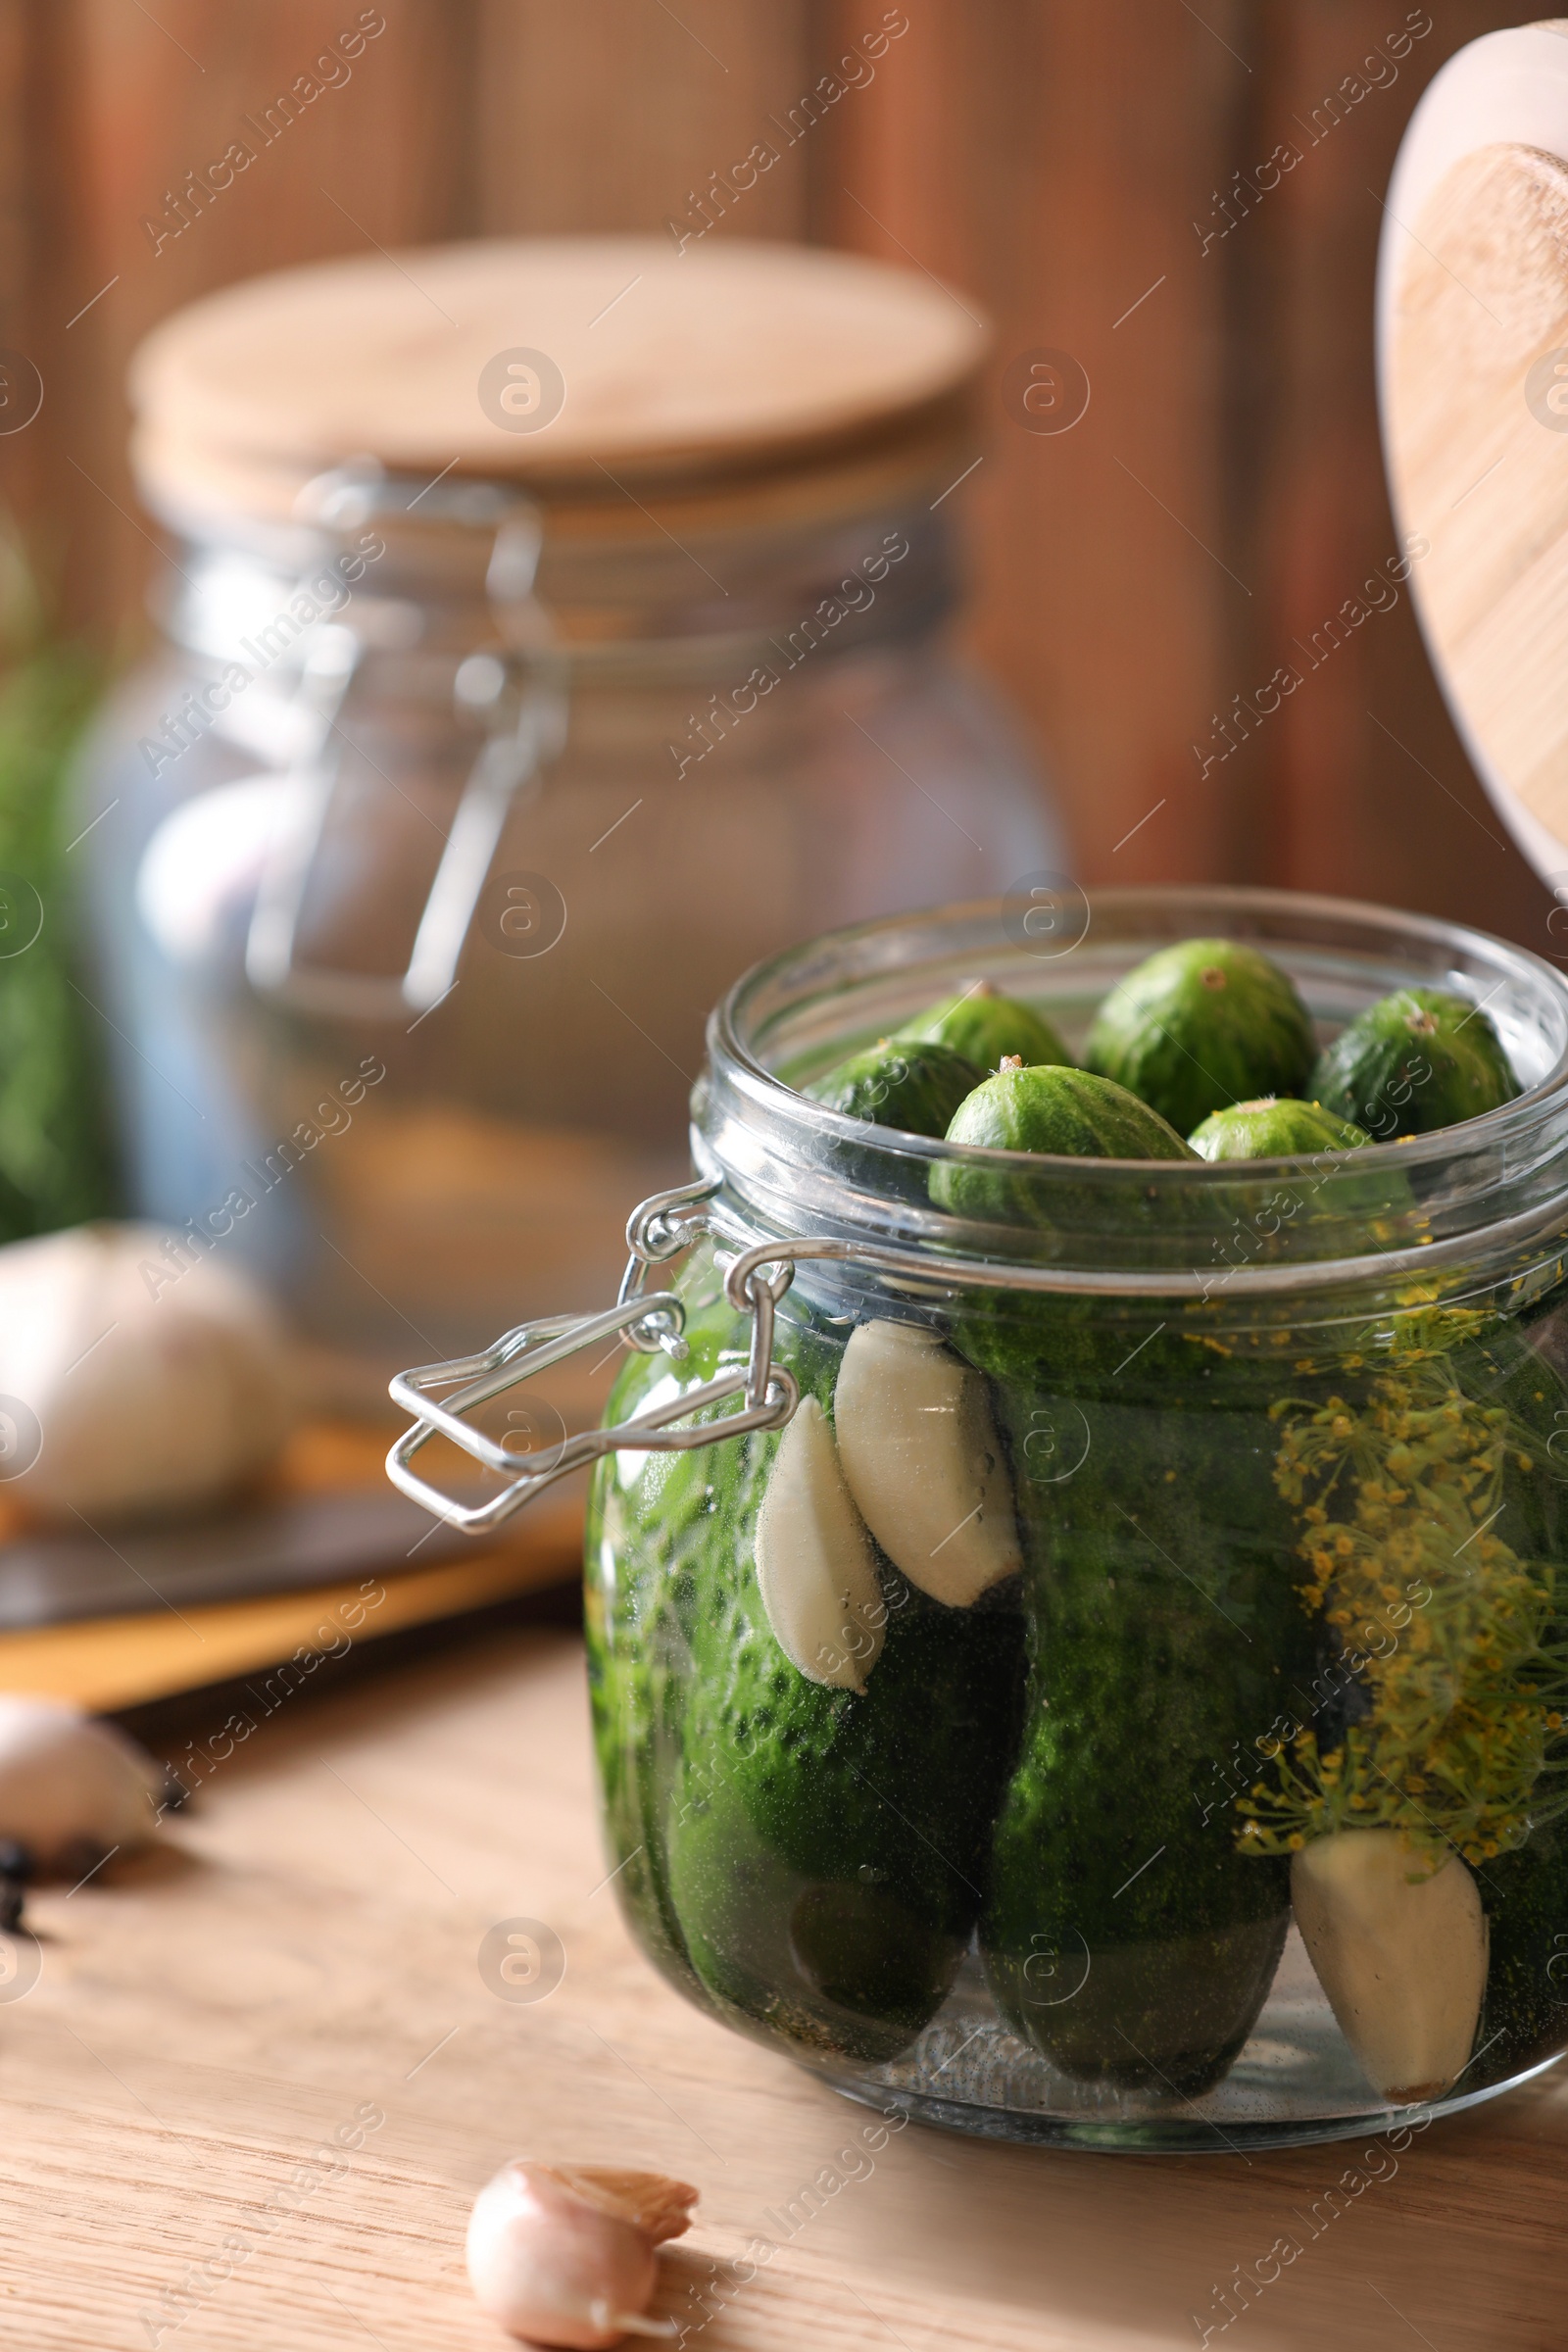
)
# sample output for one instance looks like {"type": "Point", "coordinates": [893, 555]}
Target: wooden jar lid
{"type": "Point", "coordinates": [1472, 361]}
{"type": "Point", "coordinates": [677, 370]}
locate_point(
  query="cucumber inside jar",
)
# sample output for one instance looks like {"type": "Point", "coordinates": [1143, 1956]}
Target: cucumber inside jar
{"type": "Point", "coordinates": [827, 1847]}
{"type": "Point", "coordinates": [1202, 1024]}
{"type": "Point", "coordinates": [1126, 1936]}
{"type": "Point", "coordinates": [815, 1811]}
{"type": "Point", "coordinates": [1418, 1059]}
{"type": "Point", "coordinates": [985, 1027]}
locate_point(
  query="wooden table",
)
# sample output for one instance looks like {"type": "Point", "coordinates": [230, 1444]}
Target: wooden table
{"type": "Point", "coordinates": [304, 1952]}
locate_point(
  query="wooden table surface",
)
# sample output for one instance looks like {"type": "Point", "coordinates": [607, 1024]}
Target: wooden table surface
{"type": "Point", "coordinates": [304, 1958]}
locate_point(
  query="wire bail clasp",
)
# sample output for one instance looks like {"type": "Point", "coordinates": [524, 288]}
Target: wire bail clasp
{"type": "Point", "coordinates": [514, 690]}
{"type": "Point", "coordinates": [661, 1228]}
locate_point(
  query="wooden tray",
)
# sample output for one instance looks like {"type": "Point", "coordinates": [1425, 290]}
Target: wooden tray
{"type": "Point", "coordinates": [126, 1658]}
{"type": "Point", "coordinates": [309, 1949]}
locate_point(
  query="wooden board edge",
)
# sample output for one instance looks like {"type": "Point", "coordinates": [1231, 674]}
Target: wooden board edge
{"type": "Point", "coordinates": [104, 1663]}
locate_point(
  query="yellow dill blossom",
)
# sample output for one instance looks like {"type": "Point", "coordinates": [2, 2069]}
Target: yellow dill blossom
{"type": "Point", "coordinates": [1448, 1632]}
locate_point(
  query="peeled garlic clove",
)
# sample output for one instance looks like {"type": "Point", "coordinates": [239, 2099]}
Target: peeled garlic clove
{"type": "Point", "coordinates": [564, 2253]}
{"type": "Point", "coordinates": [921, 1452]}
{"type": "Point", "coordinates": [814, 1562]}
{"type": "Point", "coordinates": [151, 1374]}
{"type": "Point", "coordinates": [67, 1782]}
{"type": "Point", "coordinates": [1402, 1959]}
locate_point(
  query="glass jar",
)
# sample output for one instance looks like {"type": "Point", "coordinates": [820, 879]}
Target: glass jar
{"type": "Point", "coordinates": [1226, 1808]}
{"type": "Point", "coordinates": [701, 793]}
{"type": "Point", "coordinates": [467, 775]}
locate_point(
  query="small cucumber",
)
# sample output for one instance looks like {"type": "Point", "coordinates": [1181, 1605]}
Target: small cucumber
{"type": "Point", "coordinates": [984, 1026]}
{"type": "Point", "coordinates": [1275, 1127]}
{"type": "Point", "coordinates": [1162, 1616]}
{"type": "Point", "coordinates": [1063, 1112]}
{"type": "Point", "coordinates": [810, 1858]}
{"type": "Point", "coordinates": [916, 1088]}
{"type": "Point", "coordinates": [1201, 1025]}
{"type": "Point", "coordinates": [1416, 1060]}
{"type": "Point", "coordinates": [1124, 1935]}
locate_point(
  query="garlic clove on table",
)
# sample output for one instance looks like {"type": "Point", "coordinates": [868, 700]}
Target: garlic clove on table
{"type": "Point", "coordinates": [923, 1461]}
{"type": "Point", "coordinates": [814, 1563]}
{"type": "Point", "coordinates": [68, 1784]}
{"type": "Point", "coordinates": [564, 2254]}
{"type": "Point", "coordinates": [1400, 1951]}
{"type": "Point", "coordinates": [150, 1376]}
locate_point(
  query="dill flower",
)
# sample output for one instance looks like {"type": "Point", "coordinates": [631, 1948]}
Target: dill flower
{"type": "Point", "coordinates": [1449, 1633]}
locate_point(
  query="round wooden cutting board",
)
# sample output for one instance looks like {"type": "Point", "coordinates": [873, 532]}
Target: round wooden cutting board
{"type": "Point", "coordinates": [1473, 368]}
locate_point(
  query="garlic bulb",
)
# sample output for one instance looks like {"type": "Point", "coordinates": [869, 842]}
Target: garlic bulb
{"type": "Point", "coordinates": [564, 2253]}
{"type": "Point", "coordinates": [69, 1783]}
{"type": "Point", "coordinates": [922, 1459]}
{"type": "Point", "coordinates": [1401, 1955]}
{"type": "Point", "coordinates": [136, 1373]}
{"type": "Point", "coordinates": [814, 1563]}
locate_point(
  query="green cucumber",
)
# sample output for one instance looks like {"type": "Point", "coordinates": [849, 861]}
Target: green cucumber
{"type": "Point", "coordinates": [827, 1849]}
{"type": "Point", "coordinates": [1416, 1060]}
{"type": "Point", "coordinates": [916, 1088]}
{"type": "Point", "coordinates": [1063, 1112]}
{"type": "Point", "coordinates": [641, 1532]}
{"type": "Point", "coordinates": [1328, 1189]}
{"type": "Point", "coordinates": [1066, 1113]}
{"type": "Point", "coordinates": [984, 1027]}
{"type": "Point", "coordinates": [1525, 1892]}
{"type": "Point", "coordinates": [1434, 1535]}
{"type": "Point", "coordinates": [1274, 1128]}
{"type": "Point", "coordinates": [1161, 1618]}
{"type": "Point", "coordinates": [814, 1858]}
{"type": "Point", "coordinates": [1201, 1025]}
{"type": "Point", "coordinates": [1164, 1631]}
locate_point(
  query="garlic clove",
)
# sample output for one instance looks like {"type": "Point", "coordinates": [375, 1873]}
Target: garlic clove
{"type": "Point", "coordinates": [153, 1377]}
{"type": "Point", "coordinates": [564, 2254]}
{"type": "Point", "coordinates": [1401, 1955]}
{"type": "Point", "coordinates": [67, 1782]}
{"type": "Point", "coordinates": [814, 1564]}
{"type": "Point", "coordinates": [921, 1456]}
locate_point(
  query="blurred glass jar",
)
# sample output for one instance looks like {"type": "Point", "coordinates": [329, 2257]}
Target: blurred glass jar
{"type": "Point", "coordinates": [459, 789]}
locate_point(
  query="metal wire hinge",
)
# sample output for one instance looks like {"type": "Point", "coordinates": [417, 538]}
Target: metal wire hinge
{"type": "Point", "coordinates": [514, 689]}
{"type": "Point", "coordinates": [661, 1228]}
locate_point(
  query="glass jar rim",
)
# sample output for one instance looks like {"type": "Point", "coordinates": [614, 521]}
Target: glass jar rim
{"type": "Point", "coordinates": [1443, 1211]}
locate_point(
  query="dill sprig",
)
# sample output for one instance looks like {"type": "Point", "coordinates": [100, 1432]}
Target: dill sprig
{"type": "Point", "coordinates": [1449, 1634]}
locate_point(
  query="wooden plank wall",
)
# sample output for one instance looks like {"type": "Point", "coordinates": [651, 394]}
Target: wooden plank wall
{"type": "Point", "coordinates": [1065, 161]}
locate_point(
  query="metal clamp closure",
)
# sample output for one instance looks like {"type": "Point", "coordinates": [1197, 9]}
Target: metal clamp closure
{"type": "Point", "coordinates": [661, 1228]}
{"type": "Point", "coordinates": [515, 691]}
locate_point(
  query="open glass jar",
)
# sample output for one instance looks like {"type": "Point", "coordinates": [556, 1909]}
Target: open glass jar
{"type": "Point", "coordinates": [1277, 1683]}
